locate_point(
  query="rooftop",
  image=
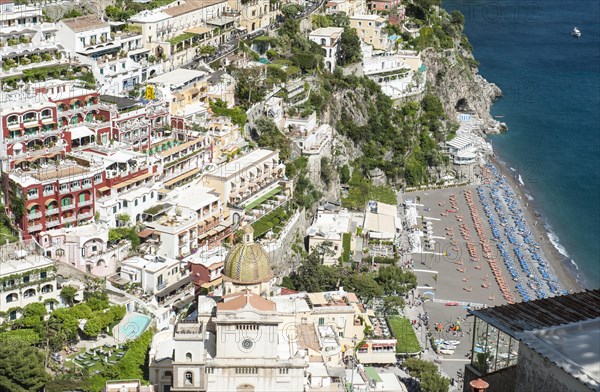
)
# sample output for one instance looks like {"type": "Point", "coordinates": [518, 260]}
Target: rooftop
{"type": "Point", "coordinates": [21, 261]}
{"type": "Point", "coordinates": [178, 77]}
{"type": "Point", "coordinates": [190, 7]}
{"type": "Point", "coordinates": [150, 263]}
{"type": "Point", "coordinates": [85, 23]}
{"type": "Point", "coordinates": [564, 329]}
{"type": "Point", "coordinates": [327, 31]}
{"type": "Point", "coordinates": [244, 301]}
{"type": "Point", "coordinates": [375, 18]}
{"type": "Point", "coordinates": [242, 163]}
{"type": "Point", "coordinates": [330, 225]}
{"type": "Point", "coordinates": [195, 197]}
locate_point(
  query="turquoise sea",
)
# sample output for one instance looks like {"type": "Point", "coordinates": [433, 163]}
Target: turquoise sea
{"type": "Point", "coordinates": [551, 104]}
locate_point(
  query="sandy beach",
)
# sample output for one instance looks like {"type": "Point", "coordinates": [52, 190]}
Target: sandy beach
{"type": "Point", "coordinates": [454, 273]}
{"type": "Point", "coordinates": [536, 224]}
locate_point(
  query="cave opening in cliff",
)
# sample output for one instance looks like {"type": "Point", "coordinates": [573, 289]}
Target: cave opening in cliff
{"type": "Point", "coordinates": [462, 105]}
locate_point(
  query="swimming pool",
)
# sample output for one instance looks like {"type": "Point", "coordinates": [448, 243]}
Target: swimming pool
{"type": "Point", "coordinates": [132, 326]}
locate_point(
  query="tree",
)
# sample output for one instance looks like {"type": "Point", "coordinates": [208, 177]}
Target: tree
{"type": "Point", "coordinates": [392, 303]}
{"type": "Point", "coordinates": [267, 134]}
{"type": "Point", "coordinates": [327, 172]}
{"type": "Point", "coordinates": [21, 367]}
{"type": "Point", "coordinates": [434, 382]}
{"type": "Point", "coordinates": [344, 174]}
{"type": "Point", "coordinates": [207, 50]}
{"type": "Point", "coordinates": [92, 327]}
{"type": "Point", "coordinates": [350, 47]}
{"type": "Point", "coordinates": [68, 294]}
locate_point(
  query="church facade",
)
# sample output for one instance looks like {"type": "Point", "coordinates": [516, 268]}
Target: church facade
{"type": "Point", "coordinates": [232, 343]}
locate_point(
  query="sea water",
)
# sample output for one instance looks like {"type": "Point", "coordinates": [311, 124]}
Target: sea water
{"type": "Point", "coordinates": [551, 104]}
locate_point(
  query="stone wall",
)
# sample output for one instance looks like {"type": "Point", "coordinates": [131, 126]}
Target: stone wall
{"type": "Point", "coordinates": [536, 373]}
{"type": "Point", "coordinates": [500, 381]}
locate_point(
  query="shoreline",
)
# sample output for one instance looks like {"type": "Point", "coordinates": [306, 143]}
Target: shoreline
{"type": "Point", "coordinates": [567, 278]}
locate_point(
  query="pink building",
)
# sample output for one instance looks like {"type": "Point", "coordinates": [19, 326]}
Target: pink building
{"type": "Point", "coordinates": [384, 5]}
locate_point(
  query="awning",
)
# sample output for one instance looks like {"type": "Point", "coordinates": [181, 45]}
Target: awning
{"type": "Point", "coordinates": [31, 205]}
{"type": "Point", "coordinates": [214, 283]}
{"type": "Point", "coordinates": [118, 279]}
{"type": "Point", "coordinates": [103, 189]}
{"type": "Point", "coordinates": [50, 201]}
{"type": "Point", "coordinates": [163, 191]}
{"type": "Point", "coordinates": [133, 180]}
{"type": "Point", "coordinates": [203, 236]}
{"type": "Point", "coordinates": [145, 233]}
{"type": "Point", "coordinates": [180, 147]}
{"type": "Point", "coordinates": [212, 232]}
{"type": "Point", "coordinates": [174, 286]}
{"type": "Point", "coordinates": [220, 228]}
{"type": "Point", "coordinates": [199, 30]}
{"type": "Point", "coordinates": [182, 177]}
{"type": "Point", "coordinates": [81, 132]}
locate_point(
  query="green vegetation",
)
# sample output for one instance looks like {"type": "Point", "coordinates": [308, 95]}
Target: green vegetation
{"type": "Point", "coordinates": [117, 234]}
{"type": "Point", "coordinates": [346, 240]}
{"type": "Point", "coordinates": [131, 366]}
{"type": "Point", "coordinates": [272, 221]}
{"type": "Point", "coordinates": [427, 372]}
{"type": "Point", "coordinates": [236, 114]}
{"type": "Point", "coordinates": [263, 198]}
{"type": "Point", "coordinates": [305, 193]}
{"type": "Point", "coordinates": [405, 334]}
{"type": "Point", "coordinates": [362, 190]}
{"type": "Point", "coordinates": [313, 276]}
{"type": "Point", "coordinates": [68, 294]}
{"type": "Point", "coordinates": [21, 367]}
{"type": "Point", "coordinates": [180, 38]}
{"type": "Point", "coordinates": [267, 134]}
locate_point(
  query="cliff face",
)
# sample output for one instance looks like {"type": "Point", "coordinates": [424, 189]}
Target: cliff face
{"type": "Point", "coordinates": [460, 87]}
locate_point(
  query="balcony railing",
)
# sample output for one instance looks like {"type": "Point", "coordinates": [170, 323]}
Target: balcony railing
{"type": "Point", "coordinates": [67, 207]}
{"type": "Point", "coordinates": [85, 215]}
{"type": "Point", "coordinates": [34, 215]}
{"type": "Point", "coordinates": [161, 286]}
{"type": "Point", "coordinates": [64, 190]}
{"type": "Point", "coordinates": [53, 211]}
{"type": "Point", "coordinates": [32, 196]}
{"type": "Point", "coordinates": [84, 203]}
{"type": "Point", "coordinates": [34, 227]}
{"type": "Point", "coordinates": [68, 219]}
{"type": "Point", "coordinates": [48, 193]}
{"type": "Point", "coordinates": [52, 223]}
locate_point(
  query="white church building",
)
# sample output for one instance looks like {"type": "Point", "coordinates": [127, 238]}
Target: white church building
{"type": "Point", "coordinates": [232, 343]}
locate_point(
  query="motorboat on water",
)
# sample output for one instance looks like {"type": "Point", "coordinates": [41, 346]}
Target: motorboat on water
{"type": "Point", "coordinates": [576, 33]}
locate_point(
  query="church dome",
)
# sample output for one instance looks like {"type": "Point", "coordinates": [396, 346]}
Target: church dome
{"type": "Point", "coordinates": [247, 262]}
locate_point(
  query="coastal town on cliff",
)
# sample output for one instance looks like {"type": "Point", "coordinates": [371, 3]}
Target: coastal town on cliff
{"type": "Point", "coordinates": [269, 195]}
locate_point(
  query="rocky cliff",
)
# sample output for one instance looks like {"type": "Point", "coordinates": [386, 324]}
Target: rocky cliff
{"type": "Point", "coordinates": [452, 77]}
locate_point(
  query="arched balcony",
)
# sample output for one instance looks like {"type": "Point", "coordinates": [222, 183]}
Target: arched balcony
{"type": "Point", "coordinates": [29, 293]}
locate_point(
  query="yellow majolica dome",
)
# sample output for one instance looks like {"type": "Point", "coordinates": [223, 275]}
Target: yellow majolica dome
{"type": "Point", "coordinates": [247, 262]}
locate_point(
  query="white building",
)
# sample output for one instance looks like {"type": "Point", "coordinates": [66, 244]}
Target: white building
{"type": "Point", "coordinates": [232, 345]}
{"type": "Point", "coordinates": [85, 248]}
{"type": "Point", "coordinates": [399, 74]}
{"type": "Point", "coordinates": [157, 275]}
{"type": "Point", "coordinates": [330, 227]}
{"type": "Point", "coordinates": [26, 278]}
{"type": "Point", "coordinates": [89, 39]}
{"type": "Point", "coordinates": [26, 42]}
{"type": "Point", "coordinates": [330, 39]}
{"type": "Point", "coordinates": [189, 219]}
{"type": "Point", "coordinates": [246, 178]}
{"type": "Point", "coordinates": [382, 221]}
